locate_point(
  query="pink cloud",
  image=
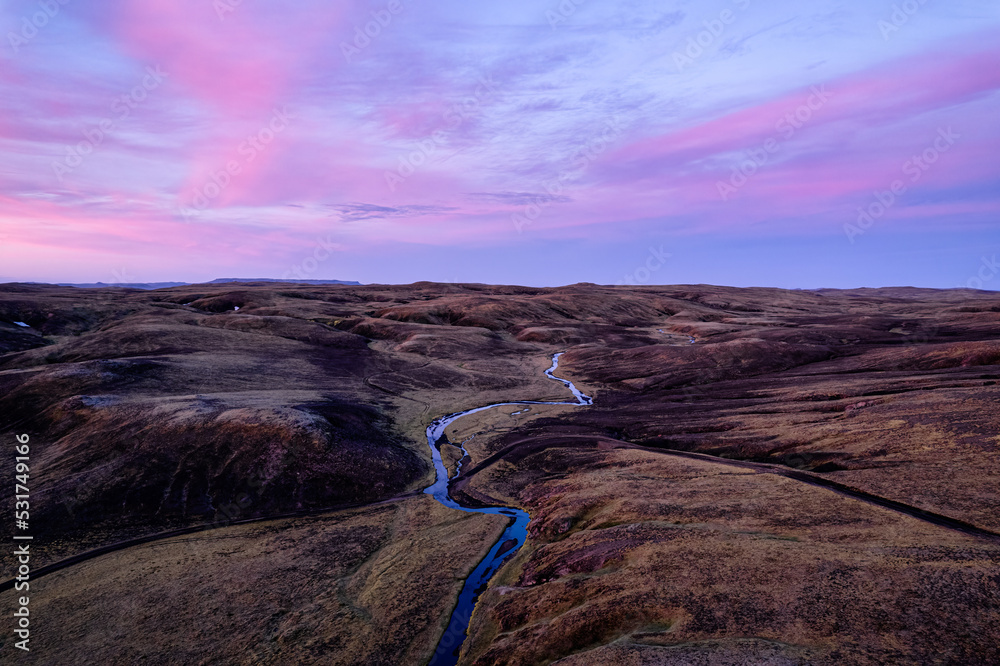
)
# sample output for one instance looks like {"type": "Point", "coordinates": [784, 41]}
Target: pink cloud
{"type": "Point", "coordinates": [859, 136]}
{"type": "Point", "coordinates": [240, 60]}
{"type": "Point", "coordinates": [887, 94]}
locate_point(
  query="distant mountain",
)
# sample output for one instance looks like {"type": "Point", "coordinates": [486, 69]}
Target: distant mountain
{"type": "Point", "coordinates": [222, 280]}
{"type": "Point", "coordinates": [124, 285]}
{"type": "Point", "coordinates": [165, 285]}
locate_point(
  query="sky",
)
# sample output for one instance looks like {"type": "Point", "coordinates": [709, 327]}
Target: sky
{"type": "Point", "coordinates": [803, 144]}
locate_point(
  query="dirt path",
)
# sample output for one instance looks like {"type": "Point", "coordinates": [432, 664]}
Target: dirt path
{"type": "Point", "coordinates": [194, 529]}
{"type": "Point", "coordinates": [525, 447]}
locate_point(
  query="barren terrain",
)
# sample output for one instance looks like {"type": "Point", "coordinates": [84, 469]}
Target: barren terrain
{"type": "Point", "coordinates": [766, 476]}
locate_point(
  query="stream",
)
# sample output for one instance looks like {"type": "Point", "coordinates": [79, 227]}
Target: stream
{"type": "Point", "coordinates": [509, 542]}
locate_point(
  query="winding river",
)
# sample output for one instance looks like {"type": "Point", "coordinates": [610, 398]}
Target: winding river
{"type": "Point", "coordinates": [509, 542]}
